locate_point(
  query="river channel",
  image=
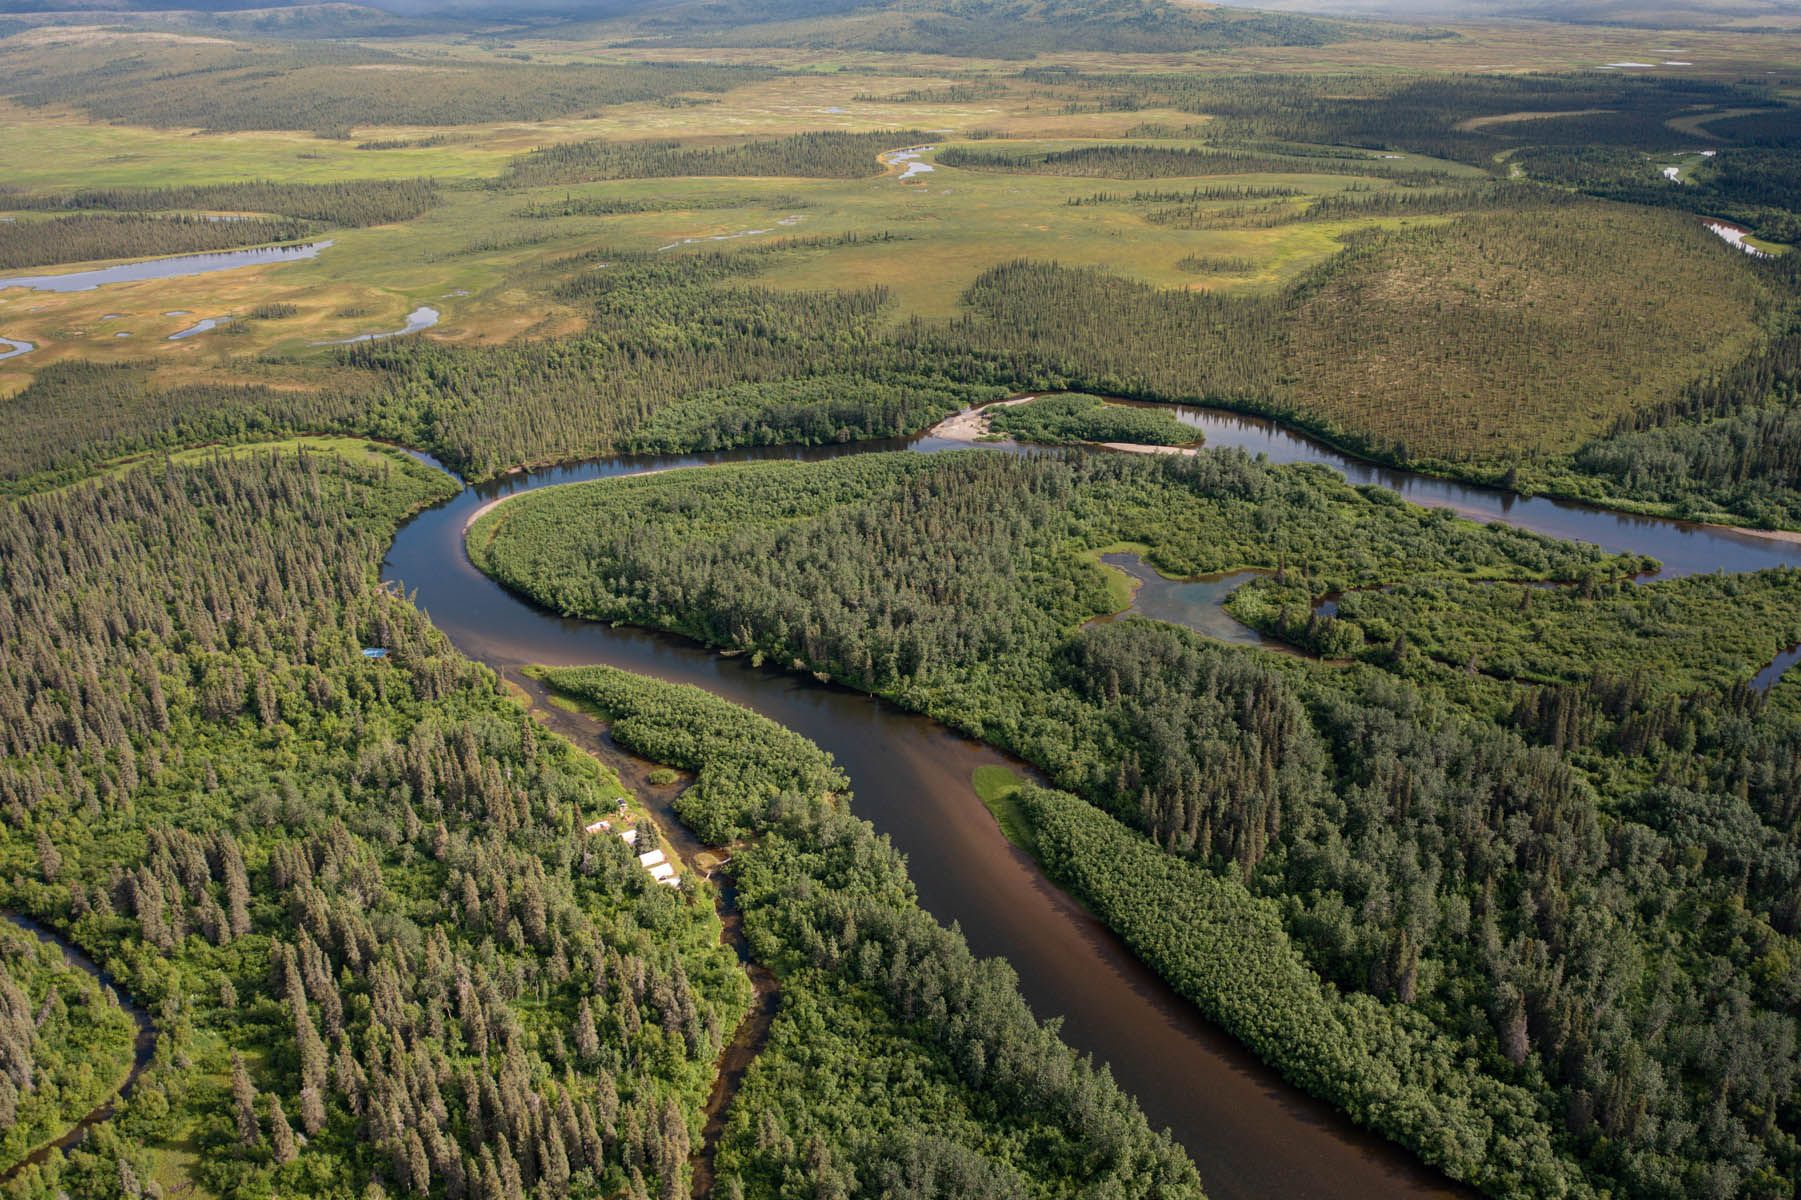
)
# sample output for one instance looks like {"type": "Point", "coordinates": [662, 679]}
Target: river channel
{"type": "Point", "coordinates": [143, 1044]}
{"type": "Point", "coordinates": [1250, 1133]}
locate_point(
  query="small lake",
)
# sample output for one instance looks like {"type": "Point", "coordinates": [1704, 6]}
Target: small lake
{"type": "Point", "coordinates": [910, 158]}
{"type": "Point", "coordinates": [164, 268]}
{"type": "Point", "coordinates": [1198, 603]}
{"type": "Point", "coordinates": [1736, 236]}
{"type": "Point", "coordinates": [421, 318]}
{"type": "Point", "coordinates": [201, 326]}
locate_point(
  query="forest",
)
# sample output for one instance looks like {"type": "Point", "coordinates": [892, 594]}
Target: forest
{"type": "Point", "coordinates": [339, 888]}
{"type": "Point", "coordinates": [1489, 841]}
{"type": "Point", "coordinates": [1428, 828]}
{"type": "Point", "coordinates": [354, 202]}
{"type": "Point", "coordinates": [872, 989]}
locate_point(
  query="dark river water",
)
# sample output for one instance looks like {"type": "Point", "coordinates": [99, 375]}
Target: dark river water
{"type": "Point", "coordinates": [1250, 1133]}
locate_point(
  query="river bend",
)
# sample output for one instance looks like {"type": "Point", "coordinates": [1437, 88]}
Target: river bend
{"type": "Point", "coordinates": [1250, 1133]}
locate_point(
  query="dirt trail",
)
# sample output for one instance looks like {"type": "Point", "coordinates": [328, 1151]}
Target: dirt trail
{"type": "Point", "coordinates": [747, 1042]}
{"type": "Point", "coordinates": [658, 799]}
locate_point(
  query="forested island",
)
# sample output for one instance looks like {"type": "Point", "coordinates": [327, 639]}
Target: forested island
{"type": "Point", "coordinates": [674, 724]}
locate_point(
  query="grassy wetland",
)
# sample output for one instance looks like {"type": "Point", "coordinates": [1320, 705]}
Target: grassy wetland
{"type": "Point", "coordinates": [1469, 858]}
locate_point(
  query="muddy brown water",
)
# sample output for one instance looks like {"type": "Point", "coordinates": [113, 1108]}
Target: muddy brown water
{"type": "Point", "coordinates": [1250, 1133]}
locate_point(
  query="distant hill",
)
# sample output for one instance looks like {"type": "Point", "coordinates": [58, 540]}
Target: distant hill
{"type": "Point", "coordinates": [978, 28]}
{"type": "Point", "coordinates": [1746, 15]}
{"type": "Point", "coordinates": [985, 28]}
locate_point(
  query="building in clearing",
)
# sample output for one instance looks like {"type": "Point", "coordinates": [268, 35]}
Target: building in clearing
{"type": "Point", "coordinates": [650, 859]}
{"type": "Point", "coordinates": [662, 871]}
{"type": "Point", "coordinates": [599, 826]}
{"type": "Point", "coordinates": [629, 836]}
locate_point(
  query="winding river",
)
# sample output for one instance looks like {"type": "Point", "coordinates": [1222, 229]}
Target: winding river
{"type": "Point", "coordinates": [1250, 1133]}
{"type": "Point", "coordinates": [143, 1046]}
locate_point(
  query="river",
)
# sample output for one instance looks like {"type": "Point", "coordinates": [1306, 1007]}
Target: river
{"type": "Point", "coordinates": [1250, 1133]}
{"type": "Point", "coordinates": [143, 1047]}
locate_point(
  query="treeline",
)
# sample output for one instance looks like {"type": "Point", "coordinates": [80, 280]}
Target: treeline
{"type": "Point", "coordinates": [1393, 349]}
{"type": "Point", "coordinates": [829, 154]}
{"type": "Point", "coordinates": [1154, 162]}
{"type": "Point", "coordinates": [357, 896]}
{"type": "Point", "coordinates": [1537, 987]}
{"type": "Point", "coordinates": [1446, 115]}
{"type": "Point", "coordinates": [332, 88]}
{"type": "Point", "coordinates": [871, 983]}
{"type": "Point", "coordinates": [608, 206]}
{"type": "Point", "coordinates": [74, 415]}
{"type": "Point", "coordinates": [1192, 195]}
{"type": "Point", "coordinates": [88, 237]}
{"type": "Point", "coordinates": [65, 1042]}
{"type": "Point", "coordinates": [351, 203]}
{"type": "Point", "coordinates": [679, 349]}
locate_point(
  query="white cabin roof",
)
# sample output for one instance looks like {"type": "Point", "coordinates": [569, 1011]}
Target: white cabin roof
{"type": "Point", "coordinates": [651, 858]}
{"type": "Point", "coordinates": [662, 871]}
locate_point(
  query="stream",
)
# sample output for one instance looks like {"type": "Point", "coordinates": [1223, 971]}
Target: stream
{"type": "Point", "coordinates": [143, 1048]}
{"type": "Point", "coordinates": [1250, 1133]}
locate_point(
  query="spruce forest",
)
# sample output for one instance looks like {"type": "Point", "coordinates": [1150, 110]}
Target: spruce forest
{"type": "Point", "coordinates": [860, 601]}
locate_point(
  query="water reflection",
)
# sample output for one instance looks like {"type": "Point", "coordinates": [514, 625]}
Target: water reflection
{"type": "Point", "coordinates": [164, 268]}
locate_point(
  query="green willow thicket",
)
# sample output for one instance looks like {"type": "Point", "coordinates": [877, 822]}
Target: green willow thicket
{"type": "Point", "coordinates": [1554, 916]}
{"type": "Point", "coordinates": [872, 988]}
{"type": "Point", "coordinates": [1059, 420]}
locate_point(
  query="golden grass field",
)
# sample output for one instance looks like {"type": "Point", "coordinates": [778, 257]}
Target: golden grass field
{"type": "Point", "coordinates": [488, 270]}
